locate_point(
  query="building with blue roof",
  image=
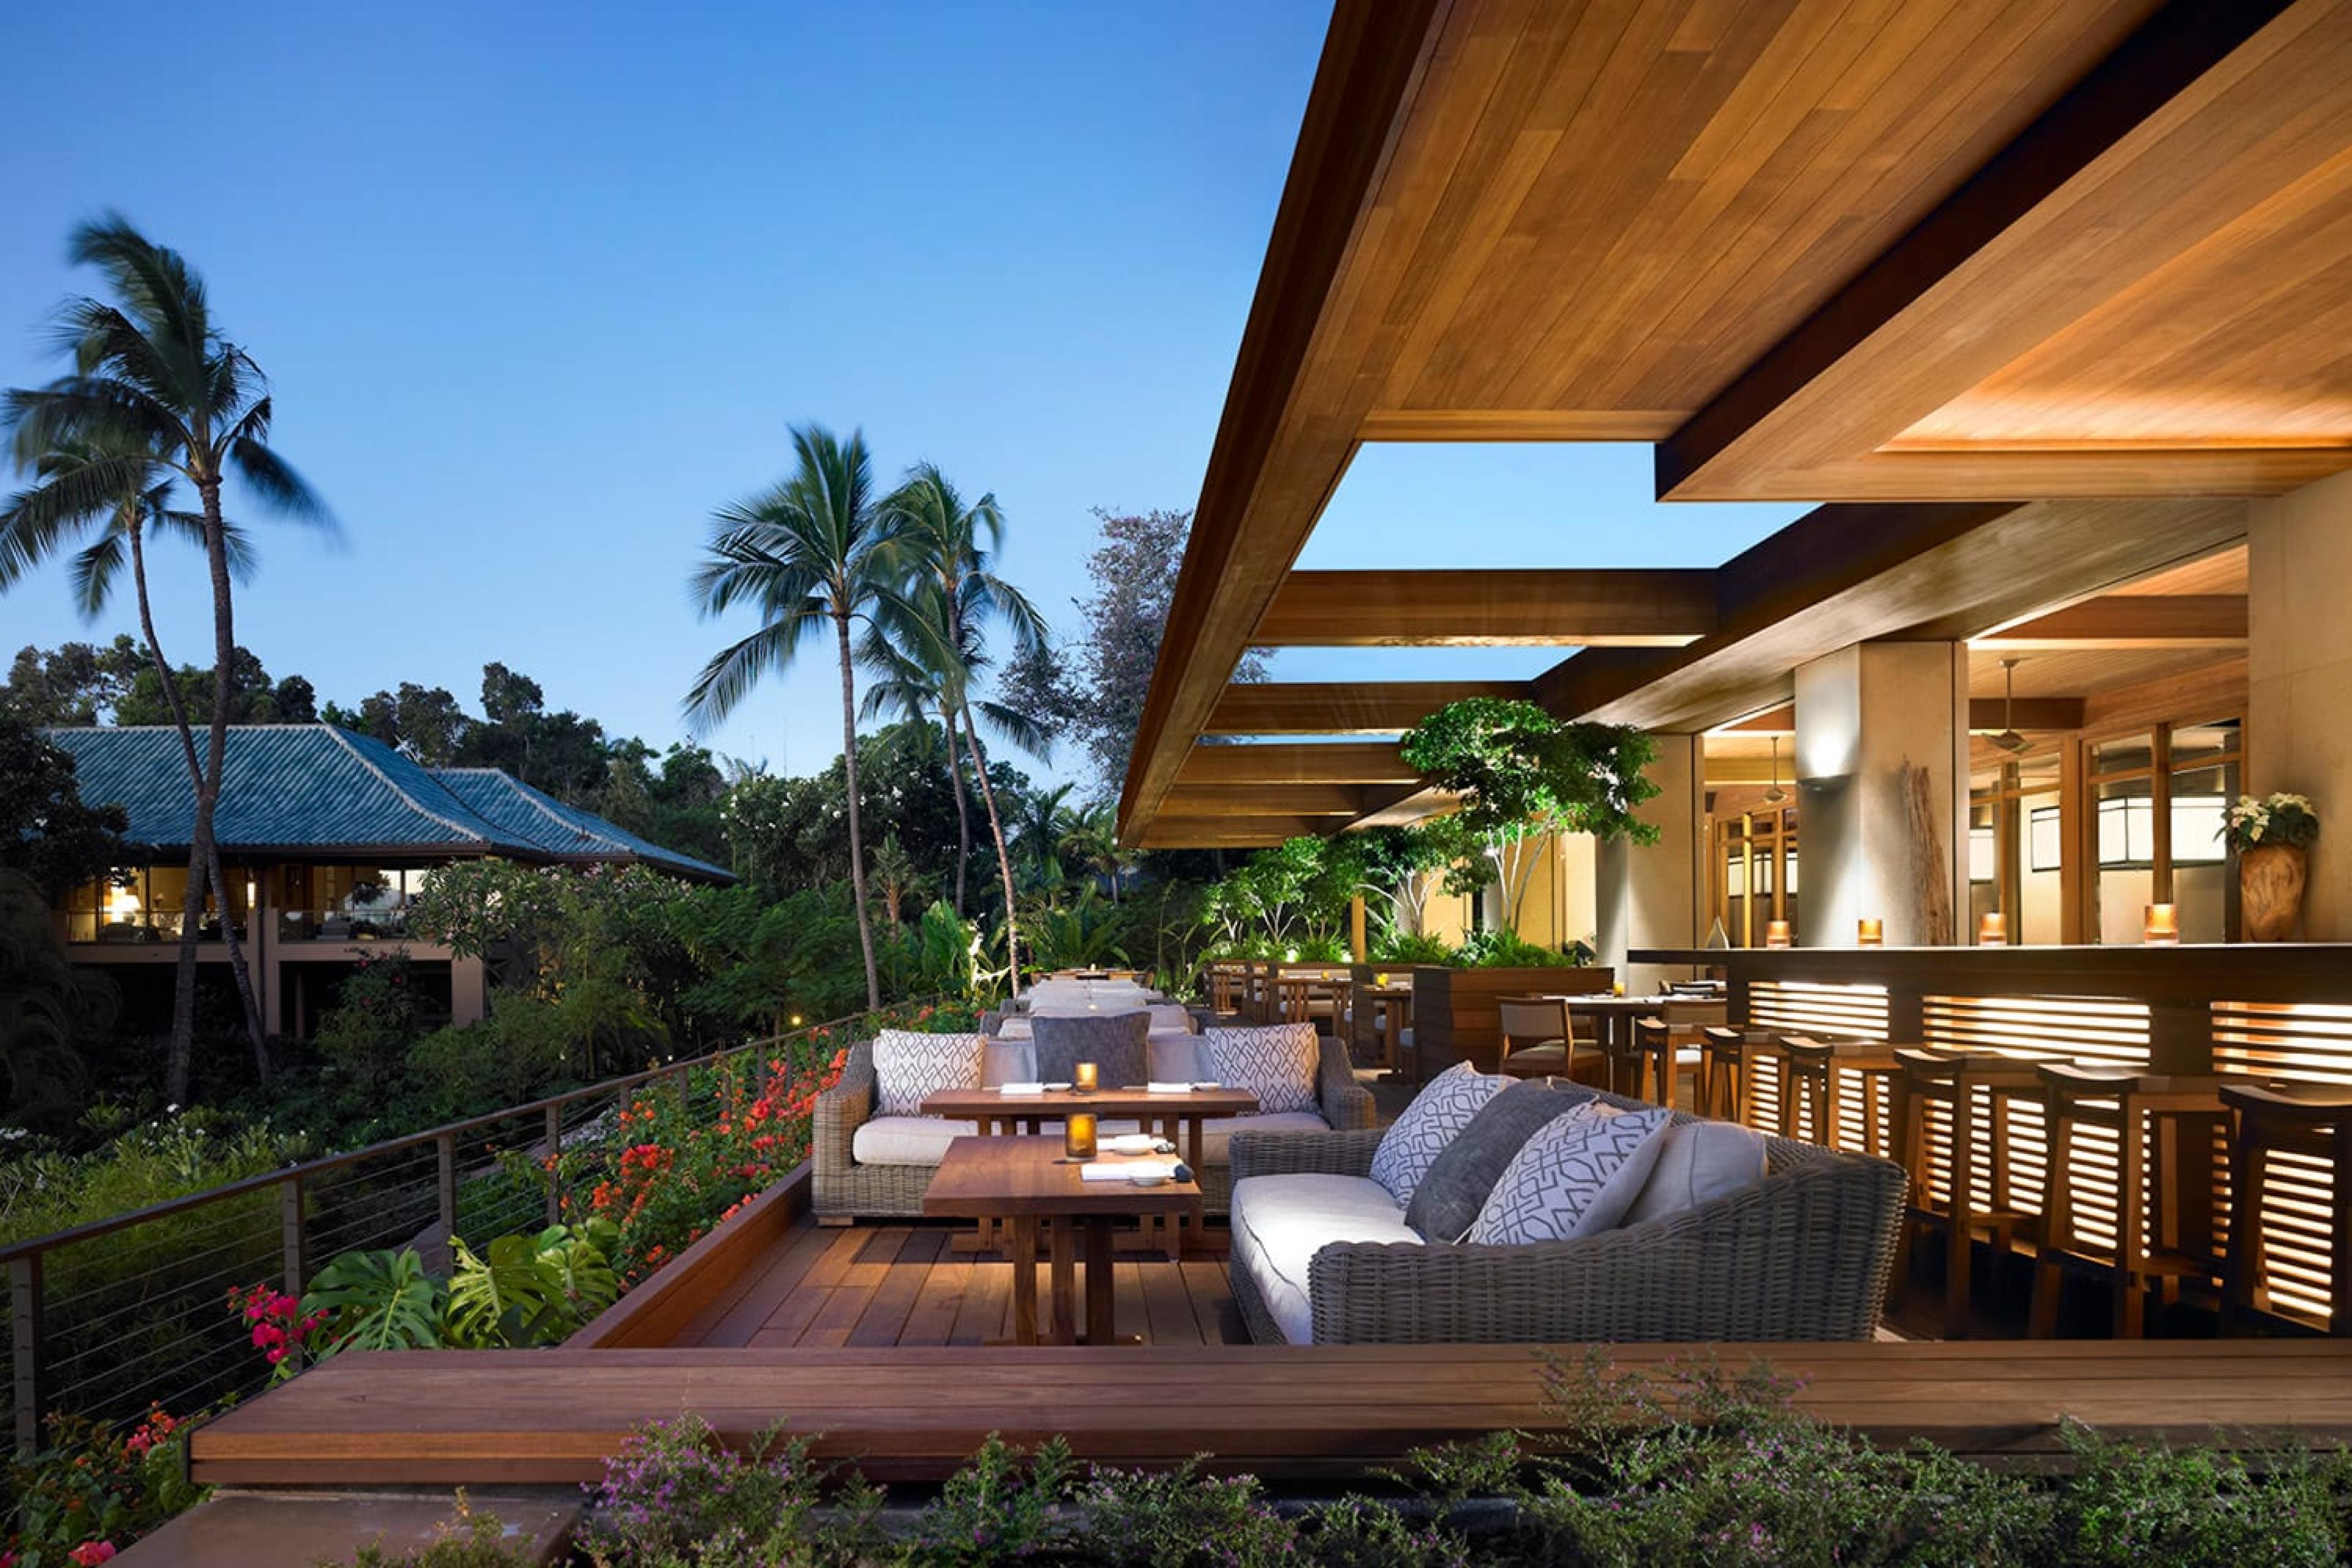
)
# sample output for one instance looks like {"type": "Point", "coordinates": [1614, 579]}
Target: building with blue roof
{"type": "Point", "coordinates": [324, 834]}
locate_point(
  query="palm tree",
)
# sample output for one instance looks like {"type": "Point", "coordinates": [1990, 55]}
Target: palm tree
{"type": "Point", "coordinates": [813, 549]}
{"type": "Point", "coordinates": [157, 380]}
{"type": "Point", "coordinates": [62, 507]}
{"type": "Point", "coordinates": [1091, 835]}
{"type": "Point", "coordinates": [950, 552]}
{"type": "Point", "coordinates": [906, 683]}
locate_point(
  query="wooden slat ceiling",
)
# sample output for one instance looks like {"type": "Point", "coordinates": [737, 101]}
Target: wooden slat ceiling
{"type": "Point", "coordinates": [1842, 251]}
{"type": "Point", "coordinates": [1605, 608]}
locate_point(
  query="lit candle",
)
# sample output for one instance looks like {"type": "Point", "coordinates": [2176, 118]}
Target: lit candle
{"type": "Point", "coordinates": [2163, 928]}
{"type": "Point", "coordinates": [1776, 933]}
{"type": "Point", "coordinates": [1870, 933]}
{"type": "Point", "coordinates": [1079, 1135]}
{"type": "Point", "coordinates": [1992, 930]}
{"type": "Point", "coordinates": [1084, 1074]}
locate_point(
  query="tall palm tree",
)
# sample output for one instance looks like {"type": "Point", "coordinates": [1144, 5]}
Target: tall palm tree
{"type": "Point", "coordinates": [905, 683]}
{"type": "Point", "coordinates": [816, 548]}
{"type": "Point", "coordinates": [154, 379]}
{"type": "Point", "coordinates": [62, 508]}
{"type": "Point", "coordinates": [949, 552]}
{"type": "Point", "coordinates": [1091, 835]}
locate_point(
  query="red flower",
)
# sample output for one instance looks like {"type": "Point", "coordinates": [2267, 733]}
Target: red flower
{"type": "Point", "coordinates": [92, 1552]}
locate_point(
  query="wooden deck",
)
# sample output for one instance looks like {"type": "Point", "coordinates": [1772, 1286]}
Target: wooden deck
{"type": "Point", "coordinates": [909, 1285]}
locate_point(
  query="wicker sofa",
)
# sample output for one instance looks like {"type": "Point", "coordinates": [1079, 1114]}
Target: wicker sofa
{"type": "Point", "coordinates": [845, 1188]}
{"type": "Point", "coordinates": [1804, 1253]}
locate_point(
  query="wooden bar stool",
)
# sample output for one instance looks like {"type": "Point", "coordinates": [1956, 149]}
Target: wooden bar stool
{"type": "Point", "coordinates": [1925, 1078]}
{"type": "Point", "coordinates": [1721, 1075]}
{"type": "Point", "coordinates": [2131, 1104]}
{"type": "Point", "coordinates": [1665, 1055]}
{"type": "Point", "coordinates": [2307, 1119]}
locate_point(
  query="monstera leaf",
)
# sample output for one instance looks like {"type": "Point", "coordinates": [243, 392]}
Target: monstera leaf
{"type": "Point", "coordinates": [581, 1257]}
{"type": "Point", "coordinates": [508, 1294]}
{"type": "Point", "coordinates": [377, 1301]}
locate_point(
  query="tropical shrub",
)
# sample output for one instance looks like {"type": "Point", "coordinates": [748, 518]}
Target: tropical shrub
{"type": "Point", "coordinates": [1402, 948]}
{"type": "Point", "coordinates": [365, 1037]}
{"type": "Point", "coordinates": [467, 1540]}
{"type": "Point", "coordinates": [169, 1156]}
{"type": "Point", "coordinates": [1503, 950]}
{"type": "Point", "coordinates": [675, 1498]}
{"type": "Point", "coordinates": [96, 1489]}
{"type": "Point", "coordinates": [518, 1291]}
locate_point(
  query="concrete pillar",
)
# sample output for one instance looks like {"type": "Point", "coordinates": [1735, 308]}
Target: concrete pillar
{"type": "Point", "coordinates": [2299, 678]}
{"type": "Point", "coordinates": [1650, 895]}
{"type": "Point", "coordinates": [1867, 716]}
{"type": "Point", "coordinates": [469, 990]}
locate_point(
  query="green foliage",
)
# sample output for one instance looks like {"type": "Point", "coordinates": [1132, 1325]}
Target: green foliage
{"type": "Point", "coordinates": [1181, 1519]}
{"type": "Point", "coordinates": [1400, 948]}
{"type": "Point", "coordinates": [146, 1163]}
{"type": "Point", "coordinates": [46, 833]}
{"type": "Point", "coordinates": [2274, 819]}
{"type": "Point", "coordinates": [2204, 1507]}
{"type": "Point", "coordinates": [765, 960]}
{"type": "Point", "coordinates": [49, 1012]}
{"type": "Point", "coordinates": [96, 1487]}
{"type": "Point", "coordinates": [1502, 950]}
{"type": "Point", "coordinates": [465, 1540]}
{"type": "Point", "coordinates": [1290, 899]}
{"type": "Point", "coordinates": [1518, 769]}
{"type": "Point", "coordinates": [378, 1302]}
{"type": "Point", "coordinates": [532, 1289]}
{"type": "Point", "coordinates": [1003, 1505]}
{"type": "Point", "coordinates": [675, 1497]}
{"type": "Point", "coordinates": [366, 1036]}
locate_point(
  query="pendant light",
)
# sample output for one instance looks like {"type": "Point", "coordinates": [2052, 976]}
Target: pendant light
{"type": "Point", "coordinates": [2009, 739]}
{"type": "Point", "coordinates": [1776, 795]}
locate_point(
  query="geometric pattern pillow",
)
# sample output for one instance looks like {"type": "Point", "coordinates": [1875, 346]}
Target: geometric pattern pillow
{"type": "Point", "coordinates": [1421, 1131]}
{"type": "Point", "coordinates": [1577, 1177]}
{"type": "Point", "coordinates": [1113, 1041]}
{"type": "Point", "coordinates": [909, 1065]}
{"type": "Point", "coordinates": [1275, 1062]}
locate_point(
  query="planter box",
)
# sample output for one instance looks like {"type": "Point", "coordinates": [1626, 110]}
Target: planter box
{"type": "Point", "coordinates": [1455, 1017]}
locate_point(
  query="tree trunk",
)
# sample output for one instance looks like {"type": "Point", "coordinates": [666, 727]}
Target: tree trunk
{"type": "Point", "coordinates": [963, 814]}
{"type": "Point", "coordinates": [195, 781]}
{"type": "Point", "coordinates": [1003, 861]}
{"type": "Point", "coordinates": [180, 1051]}
{"type": "Point", "coordinates": [857, 838]}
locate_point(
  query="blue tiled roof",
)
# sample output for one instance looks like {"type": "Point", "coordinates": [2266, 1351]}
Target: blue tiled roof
{"type": "Point", "coordinates": [319, 788]}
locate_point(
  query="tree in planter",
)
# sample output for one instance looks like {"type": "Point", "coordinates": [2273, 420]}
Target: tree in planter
{"type": "Point", "coordinates": [1523, 776]}
{"type": "Point", "coordinates": [1401, 861]}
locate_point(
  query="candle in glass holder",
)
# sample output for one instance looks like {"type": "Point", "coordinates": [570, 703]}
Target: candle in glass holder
{"type": "Point", "coordinates": [1870, 933]}
{"type": "Point", "coordinates": [1079, 1135]}
{"type": "Point", "coordinates": [1084, 1076]}
{"type": "Point", "coordinates": [2163, 928]}
{"type": "Point", "coordinates": [1992, 930]}
{"type": "Point", "coordinates": [1776, 933]}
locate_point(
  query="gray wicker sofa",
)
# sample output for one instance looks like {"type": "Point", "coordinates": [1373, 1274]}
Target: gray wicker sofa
{"type": "Point", "coordinates": [844, 1188]}
{"type": "Point", "coordinates": [1804, 1253]}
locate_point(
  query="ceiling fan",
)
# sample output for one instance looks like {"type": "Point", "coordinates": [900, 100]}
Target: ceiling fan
{"type": "Point", "coordinates": [2009, 739]}
{"type": "Point", "coordinates": [1776, 795]}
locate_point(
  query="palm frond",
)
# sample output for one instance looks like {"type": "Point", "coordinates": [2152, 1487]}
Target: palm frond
{"type": "Point", "coordinates": [732, 673]}
{"type": "Point", "coordinates": [1018, 728]}
{"type": "Point", "coordinates": [94, 570]}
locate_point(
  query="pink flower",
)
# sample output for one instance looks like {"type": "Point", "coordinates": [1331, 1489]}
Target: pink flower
{"type": "Point", "coordinates": [92, 1552]}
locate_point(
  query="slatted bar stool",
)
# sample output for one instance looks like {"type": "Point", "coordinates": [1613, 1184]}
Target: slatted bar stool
{"type": "Point", "coordinates": [1926, 1078]}
{"type": "Point", "coordinates": [2308, 1118]}
{"type": "Point", "coordinates": [1721, 1075]}
{"type": "Point", "coordinates": [2148, 1113]}
{"type": "Point", "coordinates": [1221, 988]}
{"type": "Point", "coordinates": [1664, 1056]}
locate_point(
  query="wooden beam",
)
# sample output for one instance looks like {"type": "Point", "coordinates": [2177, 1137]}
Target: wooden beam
{"type": "Point", "coordinates": [1599, 608]}
{"type": "Point", "coordinates": [2129, 621]}
{"type": "Point", "coordinates": [1341, 707]}
{"type": "Point", "coordinates": [1519, 424]}
{"type": "Point", "coordinates": [1340, 800]}
{"type": "Point", "coordinates": [2155, 150]}
{"type": "Point", "coordinates": [1214, 829]}
{"type": "Point", "coordinates": [1312, 762]}
{"type": "Point", "coordinates": [1993, 714]}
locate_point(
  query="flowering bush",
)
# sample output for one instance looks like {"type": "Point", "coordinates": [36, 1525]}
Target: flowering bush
{"type": "Point", "coordinates": [281, 1329]}
{"type": "Point", "coordinates": [677, 1497]}
{"type": "Point", "coordinates": [2279, 819]}
{"type": "Point", "coordinates": [95, 1489]}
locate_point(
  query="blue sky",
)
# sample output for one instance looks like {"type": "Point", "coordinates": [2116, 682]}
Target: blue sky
{"type": "Point", "coordinates": [540, 286]}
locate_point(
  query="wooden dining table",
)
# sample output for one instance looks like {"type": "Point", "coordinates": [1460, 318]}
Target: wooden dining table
{"type": "Point", "coordinates": [1613, 1029]}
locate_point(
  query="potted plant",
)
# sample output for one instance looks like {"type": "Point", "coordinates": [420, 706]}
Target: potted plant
{"type": "Point", "coordinates": [2272, 837]}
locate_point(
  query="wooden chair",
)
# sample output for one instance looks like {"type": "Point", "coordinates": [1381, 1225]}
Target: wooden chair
{"type": "Point", "coordinates": [1538, 1042]}
{"type": "Point", "coordinates": [2310, 1119]}
{"type": "Point", "coordinates": [1954, 1080]}
{"type": "Point", "coordinates": [2130, 1104]}
{"type": "Point", "coordinates": [1664, 1060]}
{"type": "Point", "coordinates": [1722, 1057]}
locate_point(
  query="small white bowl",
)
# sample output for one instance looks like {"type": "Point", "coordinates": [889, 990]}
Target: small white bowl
{"type": "Point", "coordinates": [1056, 1088]}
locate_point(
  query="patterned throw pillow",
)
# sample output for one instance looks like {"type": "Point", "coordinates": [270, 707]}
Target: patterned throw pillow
{"type": "Point", "coordinates": [909, 1065]}
{"type": "Point", "coordinates": [1446, 1203]}
{"type": "Point", "coordinates": [1275, 1062]}
{"type": "Point", "coordinates": [1443, 1109]}
{"type": "Point", "coordinates": [1577, 1177]}
{"type": "Point", "coordinates": [1112, 1041]}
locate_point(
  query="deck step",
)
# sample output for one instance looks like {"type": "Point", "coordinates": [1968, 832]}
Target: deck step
{"type": "Point", "coordinates": [245, 1529]}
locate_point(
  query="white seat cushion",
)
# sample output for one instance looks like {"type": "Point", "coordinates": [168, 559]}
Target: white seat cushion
{"type": "Point", "coordinates": [1281, 1222]}
{"type": "Point", "coordinates": [1217, 1131]}
{"type": "Point", "coordinates": [1007, 1061]}
{"type": "Point", "coordinates": [1170, 1016]}
{"type": "Point", "coordinates": [1176, 1057]}
{"type": "Point", "coordinates": [907, 1139]}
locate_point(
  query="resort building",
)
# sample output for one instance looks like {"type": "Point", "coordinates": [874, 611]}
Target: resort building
{"type": "Point", "coordinates": [325, 836]}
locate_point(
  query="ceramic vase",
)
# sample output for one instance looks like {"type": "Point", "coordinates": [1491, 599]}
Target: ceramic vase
{"type": "Point", "coordinates": [2270, 889]}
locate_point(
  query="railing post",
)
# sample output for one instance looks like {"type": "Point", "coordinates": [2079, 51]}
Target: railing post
{"type": "Point", "coordinates": [25, 1311]}
{"type": "Point", "coordinates": [445, 1181]}
{"type": "Point", "coordinates": [554, 1164]}
{"type": "Point", "coordinates": [289, 1216]}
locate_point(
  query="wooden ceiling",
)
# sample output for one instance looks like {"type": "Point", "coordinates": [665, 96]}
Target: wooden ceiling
{"type": "Point", "coordinates": [1959, 255]}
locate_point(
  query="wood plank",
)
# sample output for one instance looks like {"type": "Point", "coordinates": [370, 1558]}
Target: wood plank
{"type": "Point", "coordinates": [1213, 1301]}
{"type": "Point", "coordinates": [2128, 621]}
{"type": "Point", "coordinates": [894, 1300]}
{"type": "Point", "coordinates": [1168, 1306]}
{"type": "Point", "coordinates": [1601, 608]}
{"type": "Point", "coordinates": [741, 1311]}
{"type": "Point", "coordinates": [1325, 761]}
{"type": "Point", "coordinates": [1341, 707]}
{"type": "Point", "coordinates": [987, 1297]}
{"type": "Point", "coordinates": [709, 1270]}
{"type": "Point", "coordinates": [932, 1321]}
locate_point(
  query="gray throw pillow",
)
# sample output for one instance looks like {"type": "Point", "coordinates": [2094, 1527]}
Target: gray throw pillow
{"type": "Point", "coordinates": [1114, 1042]}
{"type": "Point", "coordinates": [1446, 1201]}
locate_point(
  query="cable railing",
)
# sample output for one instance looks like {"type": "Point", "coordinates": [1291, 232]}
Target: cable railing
{"type": "Point", "coordinates": [108, 1318]}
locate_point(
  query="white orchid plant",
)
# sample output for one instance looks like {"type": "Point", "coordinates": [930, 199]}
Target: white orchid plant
{"type": "Point", "coordinates": [2273, 819]}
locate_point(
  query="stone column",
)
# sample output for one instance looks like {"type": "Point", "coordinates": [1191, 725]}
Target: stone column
{"type": "Point", "coordinates": [2299, 678]}
{"type": "Point", "coordinates": [1648, 895]}
{"type": "Point", "coordinates": [1872, 719]}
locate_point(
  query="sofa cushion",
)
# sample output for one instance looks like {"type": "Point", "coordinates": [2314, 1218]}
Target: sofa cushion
{"type": "Point", "coordinates": [1576, 1174]}
{"type": "Point", "coordinates": [1176, 1058]}
{"type": "Point", "coordinates": [1275, 1062]}
{"type": "Point", "coordinates": [1446, 1201]}
{"type": "Point", "coordinates": [1439, 1111]}
{"type": "Point", "coordinates": [1172, 1017]}
{"type": "Point", "coordinates": [1007, 1061]}
{"type": "Point", "coordinates": [1280, 1222]}
{"type": "Point", "coordinates": [1114, 1042]}
{"type": "Point", "coordinates": [1016, 1026]}
{"type": "Point", "coordinates": [909, 1065]}
{"type": "Point", "coordinates": [907, 1139]}
{"type": "Point", "coordinates": [1699, 1161]}
{"type": "Point", "coordinates": [1217, 1131]}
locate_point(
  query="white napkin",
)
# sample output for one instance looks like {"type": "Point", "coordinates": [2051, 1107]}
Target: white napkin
{"type": "Point", "coordinates": [1019, 1089]}
{"type": "Point", "coordinates": [1127, 1169]}
{"type": "Point", "coordinates": [1132, 1144]}
{"type": "Point", "coordinates": [1168, 1088]}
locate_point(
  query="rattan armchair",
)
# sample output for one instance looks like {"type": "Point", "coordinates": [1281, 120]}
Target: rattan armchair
{"type": "Point", "coordinates": [1804, 1253]}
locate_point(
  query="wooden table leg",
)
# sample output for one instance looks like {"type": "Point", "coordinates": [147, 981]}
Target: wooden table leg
{"type": "Point", "coordinates": [1024, 1279]}
{"type": "Point", "coordinates": [1064, 1285]}
{"type": "Point", "coordinates": [1957, 1245]}
{"type": "Point", "coordinates": [1100, 1329]}
{"type": "Point", "coordinates": [1195, 1224]}
{"type": "Point", "coordinates": [2131, 1234]}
